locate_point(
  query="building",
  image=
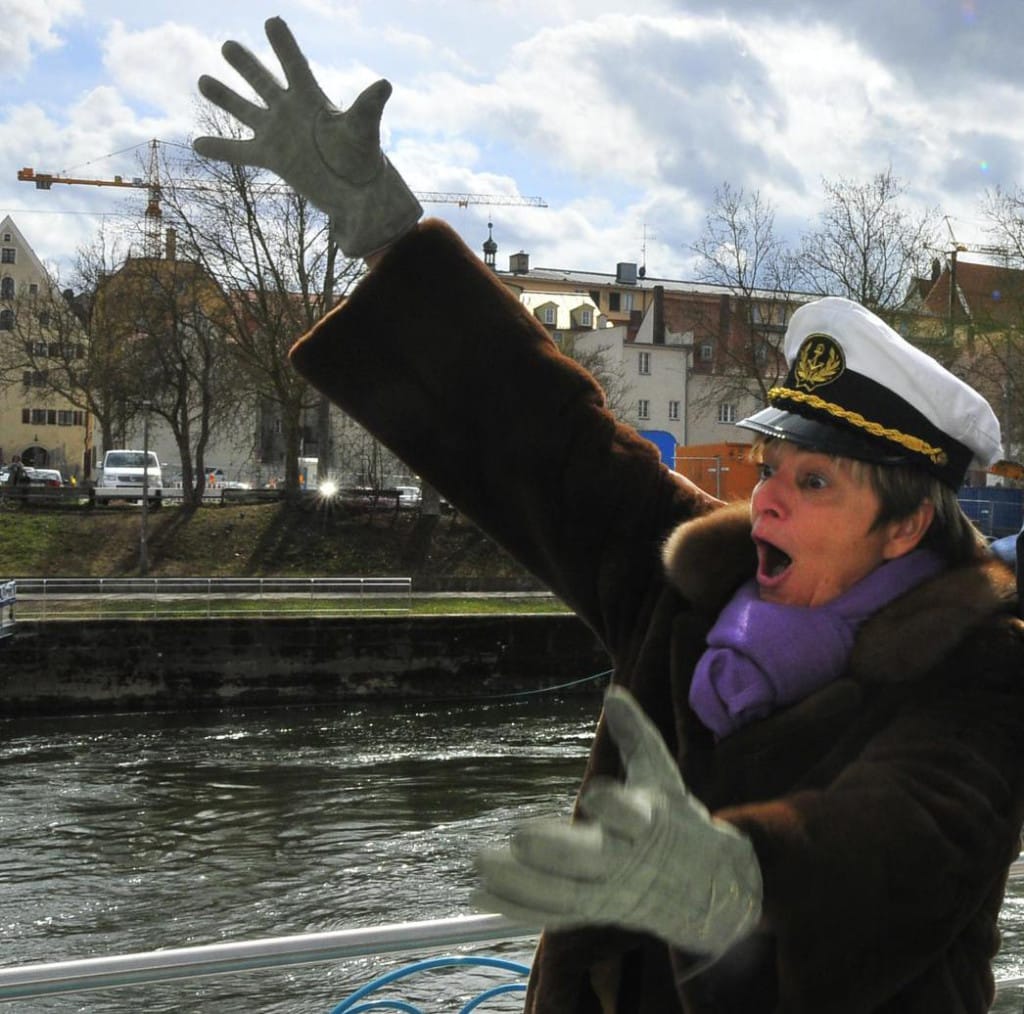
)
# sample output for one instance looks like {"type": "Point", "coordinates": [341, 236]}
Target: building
{"type": "Point", "coordinates": [686, 360]}
{"type": "Point", "coordinates": [45, 428]}
{"type": "Point", "coordinates": [970, 316]}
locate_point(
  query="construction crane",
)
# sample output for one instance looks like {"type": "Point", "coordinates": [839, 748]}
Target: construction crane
{"type": "Point", "coordinates": [1001, 252]}
{"type": "Point", "coordinates": [154, 213]}
{"type": "Point", "coordinates": [44, 181]}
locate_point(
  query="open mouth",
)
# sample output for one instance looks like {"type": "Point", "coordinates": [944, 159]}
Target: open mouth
{"type": "Point", "coordinates": [773, 562]}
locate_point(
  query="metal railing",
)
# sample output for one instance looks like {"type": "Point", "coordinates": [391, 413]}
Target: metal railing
{"type": "Point", "coordinates": [73, 598]}
{"type": "Point", "coordinates": [26, 981]}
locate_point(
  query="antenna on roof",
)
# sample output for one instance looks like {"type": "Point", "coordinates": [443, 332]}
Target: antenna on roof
{"type": "Point", "coordinates": [642, 271]}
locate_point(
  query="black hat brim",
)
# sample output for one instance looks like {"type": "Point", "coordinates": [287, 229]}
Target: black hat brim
{"type": "Point", "coordinates": [819, 436]}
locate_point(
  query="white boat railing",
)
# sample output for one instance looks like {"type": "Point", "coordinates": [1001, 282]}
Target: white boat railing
{"type": "Point", "coordinates": [28, 981]}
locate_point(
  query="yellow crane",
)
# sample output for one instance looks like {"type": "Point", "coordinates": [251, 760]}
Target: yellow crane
{"type": "Point", "coordinates": [44, 181]}
{"type": "Point", "coordinates": [153, 214]}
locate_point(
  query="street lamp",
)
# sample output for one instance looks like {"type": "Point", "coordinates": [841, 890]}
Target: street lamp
{"type": "Point", "coordinates": [143, 552]}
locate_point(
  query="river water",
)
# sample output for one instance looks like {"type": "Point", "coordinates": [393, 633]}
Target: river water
{"type": "Point", "coordinates": [128, 833]}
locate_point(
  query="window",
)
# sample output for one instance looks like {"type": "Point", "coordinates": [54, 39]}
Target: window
{"type": "Point", "coordinates": [78, 417]}
{"type": "Point", "coordinates": [614, 299]}
{"type": "Point", "coordinates": [64, 417]}
{"type": "Point", "coordinates": [643, 409]}
{"type": "Point", "coordinates": [6, 320]}
{"type": "Point", "coordinates": [7, 255]}
{"type": "Point", "coordinates": [39, 417]}
{"type": "Point", "coordinates": [7, 288]}
{"type": "Point", "coordinates": [627, 302]}
{"type": "Point", "coordinates": [645, 363]}
{"type": "Point", "coordinates": [7, 237]}
{"type": "Point", "coordinates": [26, 415]}
{"type": "Point", "coordinates": [707, 352]}
{"type": "Point", "coordinates": [39, 348]}
{"type": "Point", "coordinates": [33, 289]}
{"type": "Point", "coordinates": [586, 318]}
{"type": "Point", "coordinates": [673, 410]}
{"type": "Point", "coordinates": [548, 315]}
{"type": "Point", "coordinates": [727, 412]}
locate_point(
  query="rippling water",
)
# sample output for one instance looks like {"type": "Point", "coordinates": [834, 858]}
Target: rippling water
{"type": "Point", "coordinates": [128, 833]}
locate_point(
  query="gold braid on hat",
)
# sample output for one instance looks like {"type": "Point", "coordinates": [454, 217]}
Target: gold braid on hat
{"type": "Point", "coordinates": [915, 444]}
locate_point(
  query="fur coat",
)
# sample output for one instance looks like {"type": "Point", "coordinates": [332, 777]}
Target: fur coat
{"type": "Point", "coordinates": [884, 809]}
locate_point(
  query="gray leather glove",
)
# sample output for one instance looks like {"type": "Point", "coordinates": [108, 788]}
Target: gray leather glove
{"type": "Point", "coordinates": [648, 857]}
{"type": "Point", "coordinates": [331, 157]}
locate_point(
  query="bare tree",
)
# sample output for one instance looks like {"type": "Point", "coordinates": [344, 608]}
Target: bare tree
{"type": "Point", "coordinates": [740, 250]}
{"type": "Point", "coordinates": [608, 373]}
{"type": "Point", "coordinates": [269, 249]}
{"type": "Point", "coordinates": [992, 358]}
{"type": "Point", "coordinates": [179, 353]}
{"type": "Point", "coordinates": [869, 244]}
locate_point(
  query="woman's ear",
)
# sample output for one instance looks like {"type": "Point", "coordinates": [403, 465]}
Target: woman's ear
{"type": "Point", "coordinates": [906, 533]}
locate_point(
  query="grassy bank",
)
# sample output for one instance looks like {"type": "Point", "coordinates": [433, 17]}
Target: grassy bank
{"type": "Point", "coordinates": [262, 540]}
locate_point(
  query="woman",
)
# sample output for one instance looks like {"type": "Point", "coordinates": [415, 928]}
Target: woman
{"type": "Point", "coordinates": [818, 707]}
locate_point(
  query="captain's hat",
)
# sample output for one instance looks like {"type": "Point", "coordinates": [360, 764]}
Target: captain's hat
{"type": "Point", "coordinates": [855, 388]}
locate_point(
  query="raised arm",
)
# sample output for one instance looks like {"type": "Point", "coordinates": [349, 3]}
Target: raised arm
{"type": "Point", "coordinates": [330, 156]}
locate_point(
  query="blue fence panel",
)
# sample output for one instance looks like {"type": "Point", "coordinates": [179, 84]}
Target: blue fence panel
{"type": "Point", "coordinates": [996, 510]}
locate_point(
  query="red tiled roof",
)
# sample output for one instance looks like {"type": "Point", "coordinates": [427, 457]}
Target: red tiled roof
{"type": "Point", "coordinates": [987, 294]}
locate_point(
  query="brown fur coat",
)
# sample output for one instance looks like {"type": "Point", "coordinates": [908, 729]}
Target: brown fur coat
{"type": "Point", "coordinates": [884, 809]}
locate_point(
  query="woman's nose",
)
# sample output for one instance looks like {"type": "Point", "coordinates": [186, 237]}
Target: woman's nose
{"type": "Point", "coordinates": [768, 497]}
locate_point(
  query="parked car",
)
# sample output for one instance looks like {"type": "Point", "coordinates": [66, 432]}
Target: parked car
{"type": "Point", "coordinates": [42, 485]}
{"type": "Point", "coordinates": [124, 473]}
{"type": "Point", "coordinates": [49, 477]}
{"type": "Point", "coordinates": [409, 497]}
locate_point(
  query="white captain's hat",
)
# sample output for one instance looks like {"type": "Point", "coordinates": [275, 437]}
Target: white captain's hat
{"type": "Point", "coordinates": [855, 388]}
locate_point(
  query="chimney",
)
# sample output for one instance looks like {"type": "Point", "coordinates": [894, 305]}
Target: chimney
{"type": "Point", "coordinates": [658, 322]}
{"type": "Point", "coordinates": [519, 263]}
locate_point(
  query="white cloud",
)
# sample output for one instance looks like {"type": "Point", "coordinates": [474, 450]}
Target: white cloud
{"type": "Point", "coordinates": [621, 117]}
{"type": "Point", "coordinates": [30, 26]}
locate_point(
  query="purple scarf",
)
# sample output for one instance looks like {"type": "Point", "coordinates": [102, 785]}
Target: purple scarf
{"type": "Point", "coordinates": [762, 656]}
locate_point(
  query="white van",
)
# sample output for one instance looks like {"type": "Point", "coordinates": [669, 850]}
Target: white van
{"type": "Point", "coordinates": [122, 474]}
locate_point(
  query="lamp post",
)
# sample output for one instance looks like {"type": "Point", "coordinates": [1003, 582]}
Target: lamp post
{"type": "Point", "coordinates": [143, 551]}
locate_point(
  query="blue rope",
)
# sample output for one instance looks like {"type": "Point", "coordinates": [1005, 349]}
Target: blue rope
{"type": "Point", "coordinates": [509, 987]}
{"type": "Point", "coordinates": [548, 690]}
{"type": "Point", "coordinates": [346, 1005]}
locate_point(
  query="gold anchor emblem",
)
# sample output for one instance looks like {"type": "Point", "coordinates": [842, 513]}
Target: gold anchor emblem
{"type": "Point", "coordinates": [819, 362]}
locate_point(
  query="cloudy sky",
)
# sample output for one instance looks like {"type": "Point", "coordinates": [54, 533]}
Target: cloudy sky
{"type": "Point", "coordinates": [624, 118]}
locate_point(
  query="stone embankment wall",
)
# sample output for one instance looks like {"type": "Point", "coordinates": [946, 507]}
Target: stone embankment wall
{"type": "Point", "coordinates": [54, 667]}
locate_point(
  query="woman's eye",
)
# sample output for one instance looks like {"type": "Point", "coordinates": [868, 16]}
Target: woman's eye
{"type": "Point", "coordinates": [815, 481]}
{"type": "Point", "coordinates": [765, 471]}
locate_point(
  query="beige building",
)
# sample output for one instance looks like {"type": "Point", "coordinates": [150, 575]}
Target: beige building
{"type": "Point", "coordinates": [688, 359]}
{"type": "Point", "coordinates": [45, 429]}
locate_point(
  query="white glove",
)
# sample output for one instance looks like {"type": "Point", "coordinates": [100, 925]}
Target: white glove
{"type": "Point", "coordinates": [648, 857]}
{"type": "Point", "coordinates": [331, 157]}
